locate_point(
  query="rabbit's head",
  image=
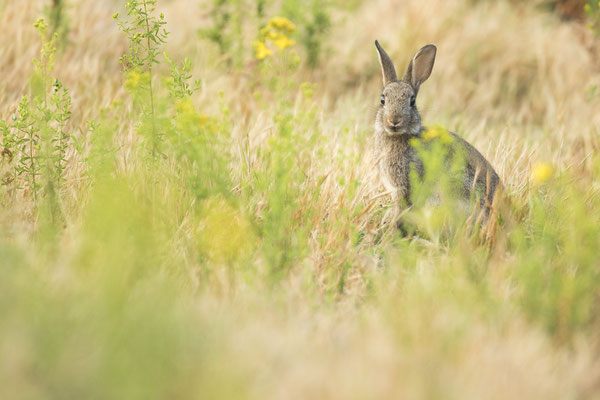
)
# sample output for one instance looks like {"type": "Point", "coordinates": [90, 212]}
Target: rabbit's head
{"type": "Point", "coordinates": [398, 114]}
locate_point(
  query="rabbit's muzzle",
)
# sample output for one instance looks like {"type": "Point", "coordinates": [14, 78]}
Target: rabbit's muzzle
{"type": "Point", "coordinates": [393, 125]}
{"type": "Point", "coordinates": [396, 125]}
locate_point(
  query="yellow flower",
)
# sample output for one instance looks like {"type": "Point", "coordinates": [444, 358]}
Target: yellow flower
{"type": "Point", "coordinates": [542, 172]}
{"type": "Point", "coordinates": [437, 132]}
{"type": "Point", "coordinates": [282, 23]}
{"type": "Point", "coordinates": [133, 80]}
{"type": "Point", "coordinates": [185, 106]}
{"type": "Point", "coordinates": [262, 51]}
{"type": "Point", "coordinates": [272, 35]}
{"type": "Point", "coordinates": [283, 42]}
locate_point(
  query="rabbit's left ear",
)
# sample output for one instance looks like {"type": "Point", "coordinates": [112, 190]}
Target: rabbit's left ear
{"type": "Point", "coordinates": [387, 66]}
{"type": "Point", "coordinates": [420, 66]}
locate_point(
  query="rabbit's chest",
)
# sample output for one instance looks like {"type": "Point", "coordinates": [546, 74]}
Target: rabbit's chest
{"type": "Point", "coordinates": [395, 166]}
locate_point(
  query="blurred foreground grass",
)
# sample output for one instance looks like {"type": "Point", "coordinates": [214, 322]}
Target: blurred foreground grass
{"type": "Point", "coordinates": [227, 237]}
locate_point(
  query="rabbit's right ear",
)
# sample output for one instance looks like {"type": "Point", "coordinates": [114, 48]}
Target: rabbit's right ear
{"type": "Point", "coordinates": [420, 66]}
{"type": "Point", "coordinates": [387, 67]}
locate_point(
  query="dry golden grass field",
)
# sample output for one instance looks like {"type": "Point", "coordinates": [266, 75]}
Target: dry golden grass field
{"type": "Point", "coordinates": [215, 227]}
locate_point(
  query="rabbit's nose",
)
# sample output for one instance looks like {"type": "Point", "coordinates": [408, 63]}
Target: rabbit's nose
{"type": "Point", "coordinates": [393, 122]}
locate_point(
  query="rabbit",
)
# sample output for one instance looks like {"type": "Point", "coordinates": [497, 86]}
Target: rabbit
{"type": "Point", "coordinates": [398, 128]}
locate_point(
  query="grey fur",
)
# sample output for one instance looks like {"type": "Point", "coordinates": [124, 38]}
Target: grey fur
{"type": "Point", "coordinates": [398, 122]}
{"type": "Point", "coordinates": [387, 66]}
{"type": "Point", "coordinates": [420, 66]}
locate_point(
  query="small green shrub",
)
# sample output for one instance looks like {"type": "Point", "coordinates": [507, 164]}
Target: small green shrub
{"type": "Point", "coordinates": [314, 21]}
{"type": "Point", "coordinates": [28, 143]}
{"type": "Point", "coordinates": [145, 33]}
{"type": "Point", "coordinates": [592, 10]}
{"type": "Point", "coordinates": [230, 19]}
{"type": "Point", "coordinates": [35, 140]}
{"type": "Point", "coordinates": [59, 22]}
{"type": "Point", "coordinates": [439, 211]}
{"type": "Point", "coordinates": [223, 14]}
{"type": "Point", "coordinates": [558, 279]}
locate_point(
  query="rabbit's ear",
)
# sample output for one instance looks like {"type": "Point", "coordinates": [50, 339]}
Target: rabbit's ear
{"type": "Point", "coordinates": [387, 67]}
{"type": "Point", "coordinates": [420, 66]}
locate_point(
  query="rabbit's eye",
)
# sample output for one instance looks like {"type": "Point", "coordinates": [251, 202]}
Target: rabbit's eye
{"type": "Point", "coordinates": [412, 101]}
{"type": "Point", "coordinates": [382, 99]}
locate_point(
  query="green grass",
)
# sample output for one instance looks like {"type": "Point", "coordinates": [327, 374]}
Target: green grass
{"type": "Point", "coordinates": [184, 226]}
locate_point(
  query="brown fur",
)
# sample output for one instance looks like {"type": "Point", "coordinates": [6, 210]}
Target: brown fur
{"type": "Point", "coordinates": [398, 123]}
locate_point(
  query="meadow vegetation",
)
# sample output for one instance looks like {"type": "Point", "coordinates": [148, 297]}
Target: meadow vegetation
{"type": "Point", "coordinates": [189, 207]}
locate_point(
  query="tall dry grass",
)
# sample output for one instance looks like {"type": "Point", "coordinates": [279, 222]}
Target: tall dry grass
{"type": "Point", "coordinates": [126, 302]}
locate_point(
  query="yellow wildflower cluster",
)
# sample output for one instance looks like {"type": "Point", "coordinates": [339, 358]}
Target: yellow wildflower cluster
{"type": "Point", "coordinates": [188, 119]}
{"type": "Point", "coordinates": [185, 106]}
{"type": "Point", "coordinates": [135, 78]}
{"type": "Point", "coordinates": [262, 51]}
{"type": "Point", "coordinates": [282, 23]}
{"type": "Point", "coordinates": [542, 172]}
{"type": "Point", "coordinates": [276, 33]}
{"type": "Point", "coordinates": [438, 132]}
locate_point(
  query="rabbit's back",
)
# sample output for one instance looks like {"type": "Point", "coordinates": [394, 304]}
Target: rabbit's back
{"type": "Point", "coordinates": [479, 175]}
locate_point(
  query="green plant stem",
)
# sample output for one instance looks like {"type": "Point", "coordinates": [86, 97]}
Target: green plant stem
{"type": "Point", "coordinates": [154, 144]}
{"type": "Point", "coordinates": [30, 134]}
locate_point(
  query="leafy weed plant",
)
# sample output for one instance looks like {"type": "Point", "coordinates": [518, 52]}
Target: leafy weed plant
{"type": "Point", "coordinates": [254, 253]}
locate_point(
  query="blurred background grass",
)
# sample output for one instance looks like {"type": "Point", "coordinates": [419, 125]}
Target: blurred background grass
{"type": "Point", "coordinates": [231, 239]}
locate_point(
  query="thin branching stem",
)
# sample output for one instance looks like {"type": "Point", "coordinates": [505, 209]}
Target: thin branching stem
{"type": "Point", "coordinates": [154, 140]}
